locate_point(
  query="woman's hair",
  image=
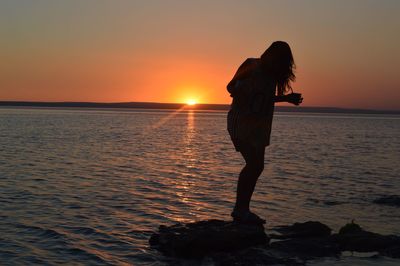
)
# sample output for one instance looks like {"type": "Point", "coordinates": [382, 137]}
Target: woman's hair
{"type": "Point", "coordinates": [278, 61]}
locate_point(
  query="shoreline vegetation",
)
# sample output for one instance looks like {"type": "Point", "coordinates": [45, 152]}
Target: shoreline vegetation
{"type": "Point", "coordinates": [174, 106]}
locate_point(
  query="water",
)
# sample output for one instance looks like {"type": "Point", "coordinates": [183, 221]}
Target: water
{"type": "Point", "coordinates": [87, 187]}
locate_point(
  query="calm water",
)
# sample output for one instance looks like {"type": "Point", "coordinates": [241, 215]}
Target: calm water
{"type": "Point", "coordinates": [87, 187]}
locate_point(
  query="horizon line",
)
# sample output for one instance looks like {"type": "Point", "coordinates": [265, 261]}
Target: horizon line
{"type": "Point", "coordinates": [198, 106]}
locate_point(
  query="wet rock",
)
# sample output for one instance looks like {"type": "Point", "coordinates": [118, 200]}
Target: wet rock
{"type": "Point", "coordinates": [256, 256]}
{"type": "Point", "coordinates": [392, 200]}
{"type": "Point", "coordinates": [393, 252]}
{"type": "Point", "coordinates": [302, 230]}
{"type": "Point", "coordinates": [201, 238]}
{"type": "Point", "coordinates": [305, 240]}
{"type": "Point", "coordinates": [228, 243]}
{"type": "Point", "coordinates": [352, 237]}
{"type": "Point", "coordinates": [308, 248]}
{"type": "Point", "coordinates": [350, 228]}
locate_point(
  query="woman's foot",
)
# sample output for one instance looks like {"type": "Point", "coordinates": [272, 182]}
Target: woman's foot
{"type": "Point", "coordinates": [246, 217]}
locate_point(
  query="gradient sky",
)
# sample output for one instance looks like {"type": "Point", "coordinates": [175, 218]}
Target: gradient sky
{"type": "Point", "coordinates": [346, 51]}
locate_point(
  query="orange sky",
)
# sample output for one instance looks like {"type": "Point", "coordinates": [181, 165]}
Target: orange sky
{"type": "Point", "coordinates": [171, 51]}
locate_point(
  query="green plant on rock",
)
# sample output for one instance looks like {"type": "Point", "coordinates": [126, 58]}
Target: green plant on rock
{"type": "Point", "coordinates": [350, 228]}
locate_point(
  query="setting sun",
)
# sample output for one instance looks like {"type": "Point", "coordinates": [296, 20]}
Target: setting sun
{"type": "Point", "coordinates": [191, 102]}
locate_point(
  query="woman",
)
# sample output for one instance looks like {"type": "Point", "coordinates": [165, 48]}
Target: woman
{"type": "Point", "coordinates": [256, 86]}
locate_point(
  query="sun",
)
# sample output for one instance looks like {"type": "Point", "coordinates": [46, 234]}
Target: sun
{"type": "Point", "coordinates": [191, 102]}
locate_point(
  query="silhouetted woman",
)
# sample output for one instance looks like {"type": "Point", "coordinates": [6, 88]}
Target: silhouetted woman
{"type": "Point", "coordinates": [256, 86]}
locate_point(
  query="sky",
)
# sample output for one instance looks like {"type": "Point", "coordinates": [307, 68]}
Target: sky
{"type": "Point", "coordinates": [346, 51]}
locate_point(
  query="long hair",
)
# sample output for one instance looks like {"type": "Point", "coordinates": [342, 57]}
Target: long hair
{"type": "Point", "coordinates": [278, 61]}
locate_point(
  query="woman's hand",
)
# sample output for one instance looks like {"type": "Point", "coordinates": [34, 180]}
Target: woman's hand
{"type": "Point", "coordinates": [294, 98]}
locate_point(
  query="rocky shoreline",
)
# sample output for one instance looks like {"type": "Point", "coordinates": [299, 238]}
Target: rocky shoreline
{"type": "Point", "coordinates": [229, 243]}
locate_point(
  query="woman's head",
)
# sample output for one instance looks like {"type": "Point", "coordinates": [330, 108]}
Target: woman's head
{"type": "Point", "coordinates": [278, 61]}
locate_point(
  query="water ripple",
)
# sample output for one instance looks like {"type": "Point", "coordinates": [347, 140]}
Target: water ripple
{"type": "Point", "coordinates": [89, 187]}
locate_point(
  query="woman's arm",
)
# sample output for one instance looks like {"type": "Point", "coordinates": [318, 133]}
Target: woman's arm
{"type": "Point", "coordinates": [243, 72]}
{"type": "Point", "coordinates": [294, 98]}
{"type": "Point", "coordinates": [279, 99]}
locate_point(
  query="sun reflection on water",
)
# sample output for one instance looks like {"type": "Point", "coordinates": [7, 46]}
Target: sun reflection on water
{"type": "Point", "coordinates": [189, 151]}
{"type": "Point", "coordinates": [185, 184]}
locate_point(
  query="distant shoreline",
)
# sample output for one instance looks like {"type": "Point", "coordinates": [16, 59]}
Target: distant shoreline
{"type": "Point", "coordinates": [215, 107]}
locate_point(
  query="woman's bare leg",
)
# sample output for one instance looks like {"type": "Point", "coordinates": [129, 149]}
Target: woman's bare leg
{"type": "Point", "coordinates": [248, 177]}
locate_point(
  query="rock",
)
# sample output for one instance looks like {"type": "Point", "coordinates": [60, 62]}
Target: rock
{"type": "Point", "coordinates": [206, 237]}
{"type": "Point", "coordinates": [352, 237]}
{"type": "Point", "coordinates": [351, 228]}
{"type": "Point", "coordinates": [305, 240]}
{"type": "Point", "coordinates": [392, 200]}
{"type": "Point", "coordinates": [302, 230]}
{"type": "Point", "coordinates": [256, 256]}
{"type": "Point", "coordinates": [393, 252]}
{"type": "Point", "coordinates": [308, 248]}
{"type": "Point", "coordinates": [228, 243]}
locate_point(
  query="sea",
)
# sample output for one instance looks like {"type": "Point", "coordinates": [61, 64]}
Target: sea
{"type": "Point", "coordinates": [89, 186]}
